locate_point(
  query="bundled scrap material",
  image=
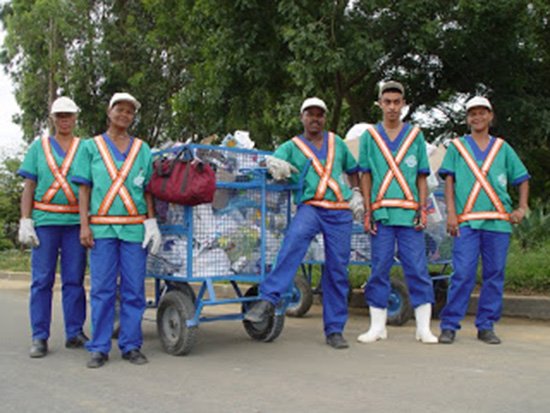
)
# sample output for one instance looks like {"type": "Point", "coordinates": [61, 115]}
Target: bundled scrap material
{"type": "Point", "coordinates": [223, 237]}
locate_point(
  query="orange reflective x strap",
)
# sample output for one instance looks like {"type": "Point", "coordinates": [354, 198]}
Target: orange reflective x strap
{"type": "Point", "coordinates": [60, 180]}
{"type": "Point", "coordinates": [324, 173]}
{"type": "Point", "coordinates": [481, 181]}
{"type": "Point", "coordinates": [394, 172]}
{"type": "Point", "coordinates": [118, 177]}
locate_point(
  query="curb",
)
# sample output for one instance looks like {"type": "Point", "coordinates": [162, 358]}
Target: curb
{"type": "Point", "coordinates": [525, 306]}
{"type": "Point", "coordinates": [522, 306]}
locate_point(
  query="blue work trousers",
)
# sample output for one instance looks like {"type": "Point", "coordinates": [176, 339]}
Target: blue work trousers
{"type": "Point", "coordinates": [55, 241]}
{"type": "Point", "coordinates": [411, 249]}
{"type": "Point", "coordinates": [111, 257]}
{"type": "Point", "coordinates": [336, 226]}
{"type": "Point", "coordinates": [468, 247]}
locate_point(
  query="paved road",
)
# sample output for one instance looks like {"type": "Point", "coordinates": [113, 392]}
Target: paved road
{"type": "Point", "coordinates": [229, 372]}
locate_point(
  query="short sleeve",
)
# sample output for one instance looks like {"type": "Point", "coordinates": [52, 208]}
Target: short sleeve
{"type": "Point", "coordinates": [29, 166]}
{"type": "Point", "coordinates": [364, 165]}
{"type": "Point", "coordinates": [516, 170]}
{"type": "Point", "coordinates": [423, 164]}
{"type": "Point", "coordinates": [350, 165]}
{"type": "Point", "coordinates": [449, 161]}
{"type": "Point", "coordinates": [148, 163]}
{"type": "Point", "coordinates": [81, 169]}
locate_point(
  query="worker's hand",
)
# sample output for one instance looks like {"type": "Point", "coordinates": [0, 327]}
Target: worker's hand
{"type": "Point", "coordinates": [517, 216]}
{"type": "Point", "coordinates": [278, 168]}
{"type": "Point", "coordinates": [152, 236]}
{"type": "Point", "coordinates": [369, 224]}
{"type": "Point", "coordinates": [86, 236]}
{"type": "Point", "coordinates": [27, 234]}
{"type": "Point", "coordinates": [421, 218]}
{"type": "Point", "coordinates": [452, 225]}
{"type": "Point", "coordinates": [356, 204]}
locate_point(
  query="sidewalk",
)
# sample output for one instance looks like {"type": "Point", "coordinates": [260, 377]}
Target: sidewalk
{"type": "Point", "coordinates": [534, 307]}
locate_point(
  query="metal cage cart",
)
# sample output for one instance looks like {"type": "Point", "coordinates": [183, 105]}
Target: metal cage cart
{"type": "Point", "coordinates": [231, 241]}
{"type": "Point", "coordinates": [438, 250]}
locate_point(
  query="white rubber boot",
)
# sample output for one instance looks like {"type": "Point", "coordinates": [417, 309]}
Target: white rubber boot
{"type": "Point", "coordinates": [377, 330]}
{"type": "Point", "coordinates": [423, 315]}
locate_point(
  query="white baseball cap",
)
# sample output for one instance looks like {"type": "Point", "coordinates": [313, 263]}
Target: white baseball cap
{"type": "Point", "coordinates": [124, 97]}
{"type": "Point", "coordinates": [478, 101]}
{"type": "Point", "coordinates": [64, 104]}
{"type": "Point", "coordinates": [313, 103]}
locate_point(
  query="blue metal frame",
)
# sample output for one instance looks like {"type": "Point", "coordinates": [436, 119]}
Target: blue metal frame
{"type": "Point", "coordinates": [207, 294]}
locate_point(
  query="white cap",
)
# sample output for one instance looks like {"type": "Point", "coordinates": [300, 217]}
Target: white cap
{"type": "Point", "coordinates": [478, 101]}
{"type": "Point", "coordinates": [64, 105]}
{"type": "Point", "coordinates": [313, 102]}
{"type": "Point", "coordinates": [124, 97]}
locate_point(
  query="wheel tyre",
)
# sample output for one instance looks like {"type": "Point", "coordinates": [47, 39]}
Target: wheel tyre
{"type": "Point", "coordinates": [302, 297]}
{"type": "Point", "coordinates": [440, 294]}
{"type": "Point", "coordinates": [265, 331]}
{"type": "Point", "coordinates": [183, 287]}
{"type": "Point", "coordinates": [399, 305]}
{"type": "Point", "coordinates": [174, 310]}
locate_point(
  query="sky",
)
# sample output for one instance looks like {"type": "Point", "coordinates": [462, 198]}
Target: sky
{"type": "Point", "coordinates": [10, 134]}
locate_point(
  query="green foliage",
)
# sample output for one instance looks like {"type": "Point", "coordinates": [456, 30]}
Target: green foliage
{"type": "Point", "coordinates": [534, 229]}
{"type": "Point", "coordinates": [205, 66]}
{"type": "Point", "coordinates": [527, 269]}
{"type": "Point", "coordinates": [10, 193]}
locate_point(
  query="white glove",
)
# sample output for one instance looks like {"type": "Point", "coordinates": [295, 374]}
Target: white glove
{"type": "Point", "coordinates": [278, 168]}
{"type": "Point", "coordinates": [27, 234]}
{"type": "Point", "coordinates": [356, 204]}
{"type": "Point", "coordinates": [152, 235]}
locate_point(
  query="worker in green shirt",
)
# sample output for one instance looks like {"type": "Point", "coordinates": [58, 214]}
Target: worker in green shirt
{"type": "Point", "coordinates": [395, 167]}
{"type": "Point", "coordinates": [477, 169]}
{"type": "Point", "coordinates": [117, 224]}
{"type": "Point", "coordinates": [50, 224]}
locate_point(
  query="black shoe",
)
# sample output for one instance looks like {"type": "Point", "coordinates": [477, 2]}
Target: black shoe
{"type": "Point", "coordinates": [260, 311]}
{"type": "Point", "coordinates": [77, 341]}
{"type": "Point", "coordinates": [488, 336]}
{"type": "Point", "coordinates": [97, 360]}
{"type": "Point", "coordinates": [335, 340]}
{"type": "Point", "coordinates": [39, 348]}
{"type": "Point", "coordinates": [447, 336]}
{"type": "Point", "coordinates": [135, 357]}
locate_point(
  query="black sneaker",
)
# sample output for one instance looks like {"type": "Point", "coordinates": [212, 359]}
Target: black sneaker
{"type": "Point", "coordinates": [135, 357]}
{"type": "Point", "coordinates": [337, 341]}
{"type": "Point", "coordinates": [260, 311]}
{"type": "Point", "coordinates": [39, 348]}
{"type": "Point", "coordinates": [77, 341]}
{"type": "Point", "coordinates": [488, 336]}
{"type": "Point", "coordinates": [97, 360]}
{"type": "Point", "coordinates": [447, 336]}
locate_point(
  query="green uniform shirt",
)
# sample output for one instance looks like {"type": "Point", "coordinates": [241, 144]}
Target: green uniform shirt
{"type": "Point", "coordinates": [415, 162]}
{"type": "Point", "coordinates": [89, 169]}
{"type": "Point", "coordinates": [344, 162]}
{"type": "Point", "coordinates": [35, 167]}
{"type": "Point", "coordinates": [506, 168]}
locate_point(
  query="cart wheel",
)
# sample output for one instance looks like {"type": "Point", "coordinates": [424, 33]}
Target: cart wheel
{"type": "Point", "coordinates": [440, 294]}
{"type": "Point", "coordinates": [399, 306]}
{"type": "Point", "coordinates": [184, 287]}
{"type": "Point", "coordinates": [175, 308]}
{"type": "Point", "coordinates": [302, 297]}
{"type": "Point", "coordinates": [267, 330]}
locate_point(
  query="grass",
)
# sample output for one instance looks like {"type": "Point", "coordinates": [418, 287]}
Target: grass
{"type": "Point", "coordinates": [527, 271]}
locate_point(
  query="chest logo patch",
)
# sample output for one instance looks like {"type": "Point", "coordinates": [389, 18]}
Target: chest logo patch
{"type": "Point", "coordinates": [502, 180]}
{"type": "Point", "coordinates": [139, 180]}
{"type": "Point", "coordinates": [410, 161]}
